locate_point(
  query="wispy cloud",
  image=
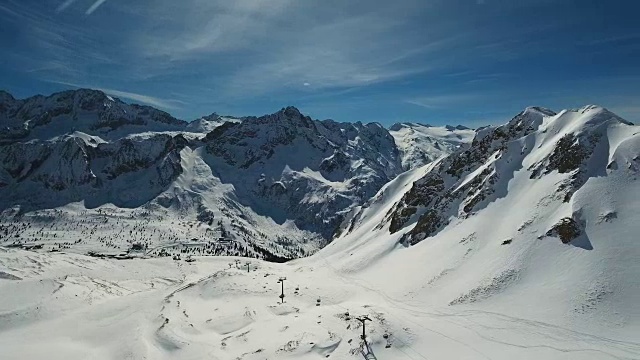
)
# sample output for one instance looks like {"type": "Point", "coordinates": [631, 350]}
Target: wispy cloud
{"type": "Point", "coordinates": [195, 28]}
{"type": "Point", "coordinates": [440, 101]}
{"type": "Point", "coordinates": [65, 5]}
{"type": "Point", "coordinates": [283, 44]}
{"type": "Point", "coordinates": [62, 49]}
{"type": "Point", "coordinates": [95, 6]}
{"type": "Point", "coordinates": [252, 47]}
{"type": "Point", "coordinates": [321, 67]}
{"type": "Point", "coordinates": [235, 53]}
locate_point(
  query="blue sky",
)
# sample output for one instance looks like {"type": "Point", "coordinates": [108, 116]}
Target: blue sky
{"type": "Point", "coordinates": [471, 62]}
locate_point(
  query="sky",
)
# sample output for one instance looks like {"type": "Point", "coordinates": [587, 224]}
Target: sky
{"type": "Point", "coordinates": [470, 62]}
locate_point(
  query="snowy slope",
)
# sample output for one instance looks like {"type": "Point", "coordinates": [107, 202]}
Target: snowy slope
{"type": "Point", "coordinates": [66, 306]}
{"type": "Point", "coordinates": [539, 214]}
{"type": "Point", "coordinates": [421, 144]}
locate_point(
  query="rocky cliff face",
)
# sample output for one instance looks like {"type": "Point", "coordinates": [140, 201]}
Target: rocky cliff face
{"type": "Point", "coordinates": [74, 168]}
{"type": "Point", "coordinates": [312, 171]}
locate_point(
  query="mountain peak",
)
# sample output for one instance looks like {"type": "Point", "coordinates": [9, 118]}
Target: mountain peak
{"type": "Point", "coordinates": [212, 116]}
{"type": "Point", "coordinates": [85, 110]}
{"type": "Point", "coordinates": [289, 115]}
{"type": "Point", "coordinates": [82, 93]}
{"type": "Point", "coordinates": [291, 111]}
{"type": "Point", "coordinates": [6, 96]}
{"type": "Point", "coordinates": [87, 91]}
{"type": "Point", "coordinates": [592, 107]}
{"type": "Point", "coordinates": [400, 126]}
{"type": "Point", "coordinates": [539, 110]}
{"type": "Point", "coordinates": [599, 114]}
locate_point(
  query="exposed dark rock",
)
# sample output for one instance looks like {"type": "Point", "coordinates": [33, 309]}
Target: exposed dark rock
{"type": "Point", "coordinates": [566, 229]}
{"type": "Point", "coordinates": [567, 156]}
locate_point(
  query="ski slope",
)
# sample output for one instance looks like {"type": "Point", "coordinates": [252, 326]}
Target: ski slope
{"type": "Point", "coordinates": [68, 306]}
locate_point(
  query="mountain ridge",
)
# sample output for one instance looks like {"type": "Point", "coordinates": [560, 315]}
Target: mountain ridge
{"type": "Point", "coordinates": [86, 110]}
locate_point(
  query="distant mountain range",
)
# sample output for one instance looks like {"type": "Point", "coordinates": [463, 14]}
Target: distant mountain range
{"type": "Point", "coordinates": [278, 186]}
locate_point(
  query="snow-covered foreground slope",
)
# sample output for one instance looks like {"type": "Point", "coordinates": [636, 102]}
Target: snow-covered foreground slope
{"type": "Point", "coordinates": [66, 306]}
{"type": "Point", "coordinates": [421, 144]}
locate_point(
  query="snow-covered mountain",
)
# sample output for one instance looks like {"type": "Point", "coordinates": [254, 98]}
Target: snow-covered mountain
{"type": "Point", "coordinates": [421, 144]}
{"type": "Point", "coordinates": [539, 213]}
{"type": "Point", "coordinates": [87, 111]}
{"type": "Point", "coordinates": [276, 186]}
{"type": "Point", "coordinates": [310, 171]}
{"type": "Point", "coordinates": [574, 144]}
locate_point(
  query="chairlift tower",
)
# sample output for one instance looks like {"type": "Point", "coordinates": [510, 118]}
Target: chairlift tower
{"type": "Point", "coordinates": [363, 320]}
{"type": "Point", "coordinates": [281, 281]}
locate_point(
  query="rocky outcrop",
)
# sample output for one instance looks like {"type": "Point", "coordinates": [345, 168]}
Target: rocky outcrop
{"type": "Point", "coordinates": [566, 229]}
